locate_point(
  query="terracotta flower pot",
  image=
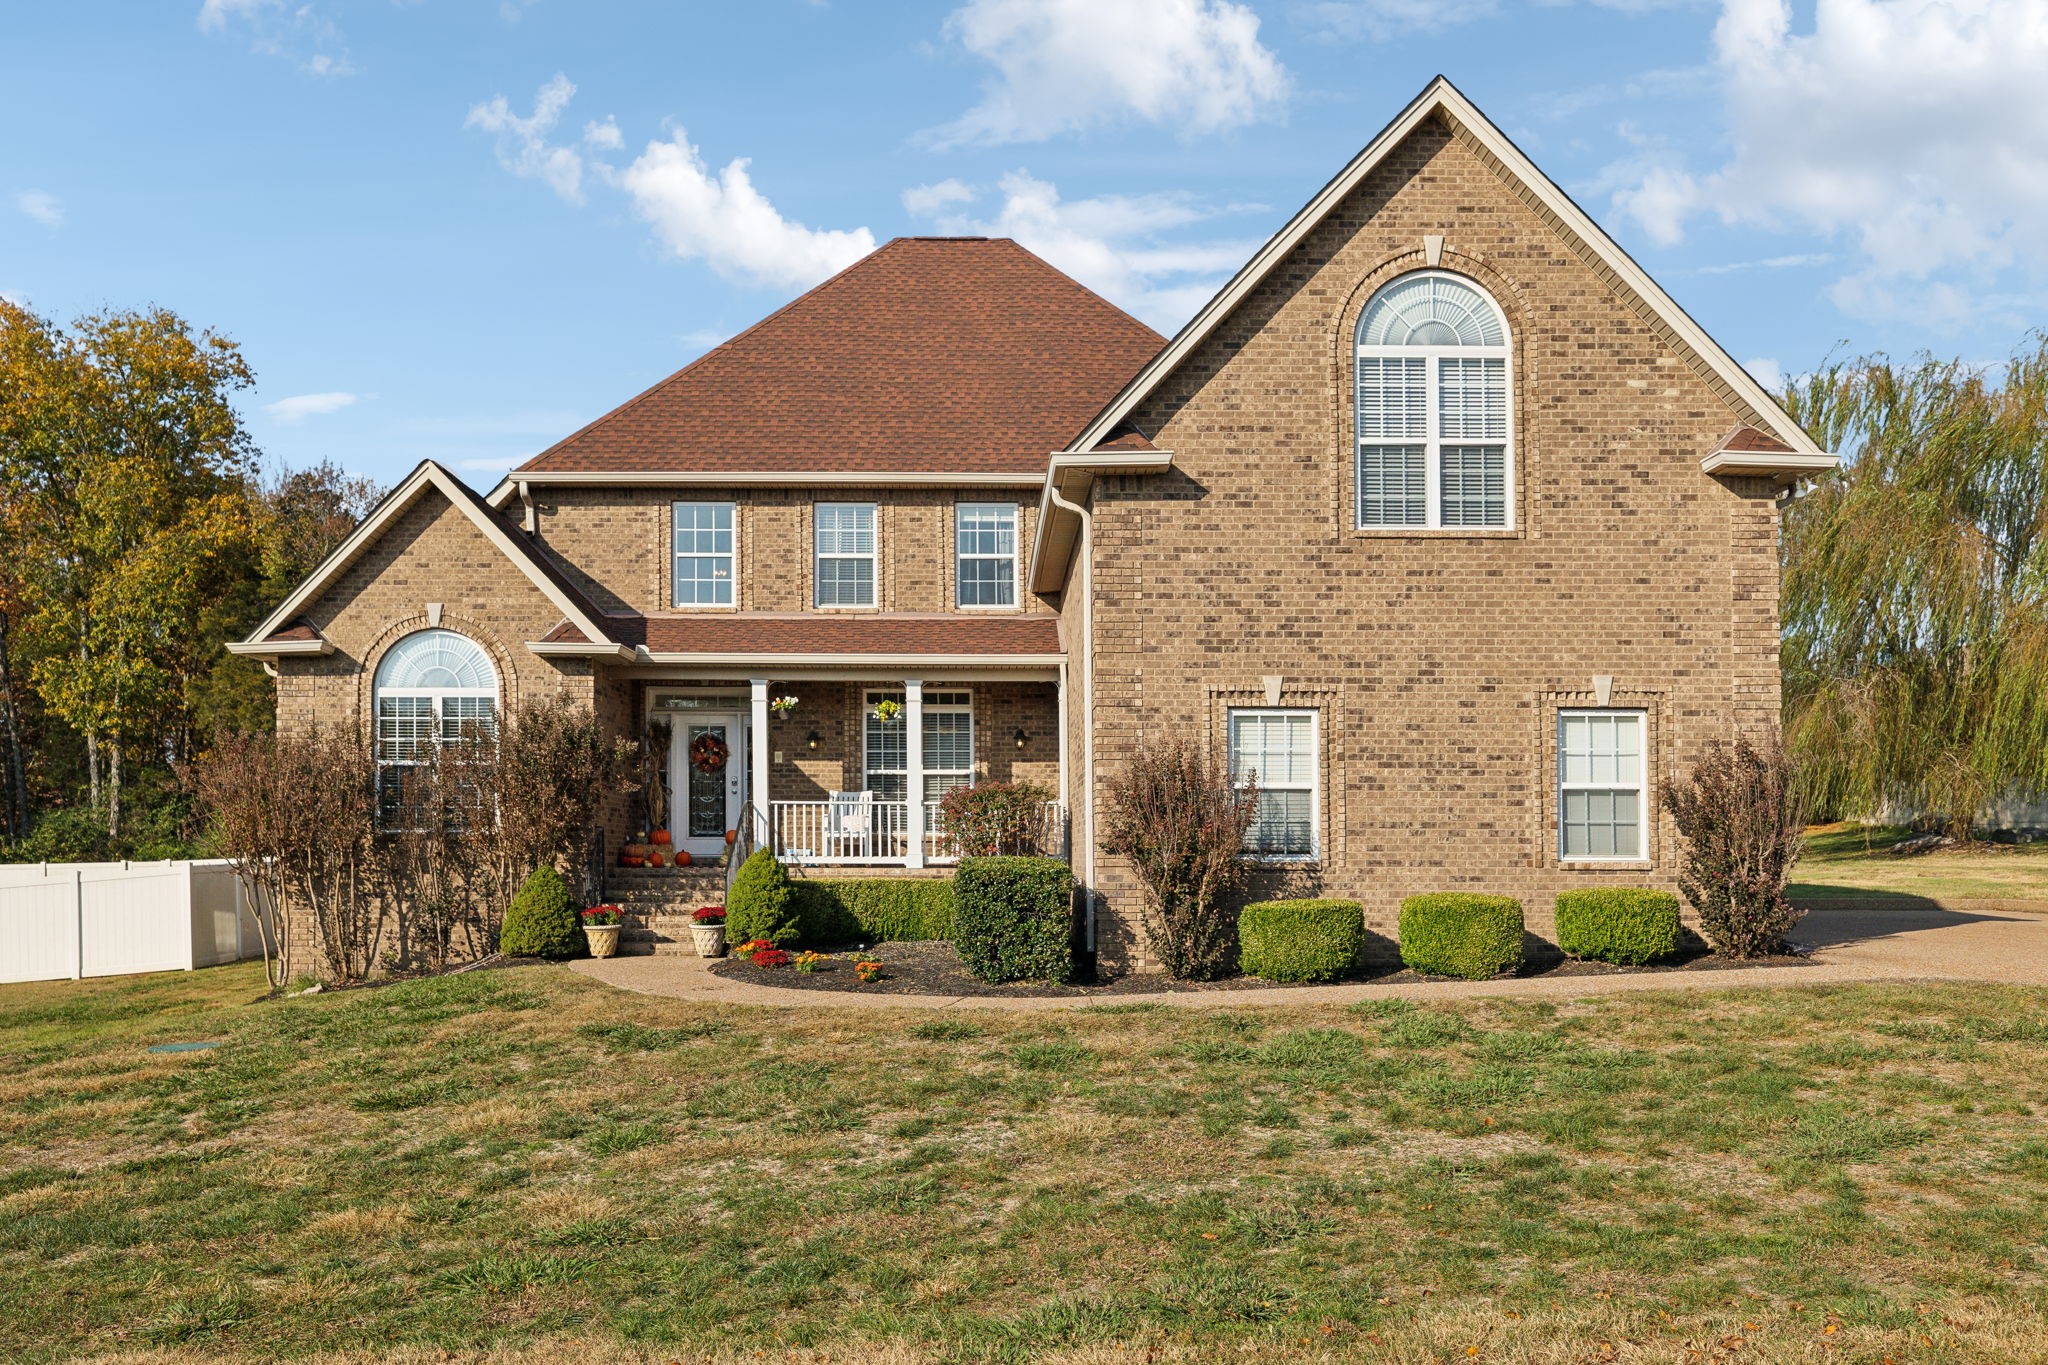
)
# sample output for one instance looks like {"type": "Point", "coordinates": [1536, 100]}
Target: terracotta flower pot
{"type": "Point", "coordinates": [603, 939]}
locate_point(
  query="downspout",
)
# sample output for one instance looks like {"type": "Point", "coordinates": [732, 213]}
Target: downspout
{"type": "Point", "coordinates": [1087, 551]}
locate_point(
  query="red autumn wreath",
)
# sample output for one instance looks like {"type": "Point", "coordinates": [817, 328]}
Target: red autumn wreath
{"type": "Point", "coordinates": [708, 753]}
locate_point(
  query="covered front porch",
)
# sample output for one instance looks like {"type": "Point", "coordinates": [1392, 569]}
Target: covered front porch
{"type": "Point", "coordinates": [846, 771]}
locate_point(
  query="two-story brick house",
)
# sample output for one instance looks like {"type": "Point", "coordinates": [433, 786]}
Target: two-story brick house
{"type": "Point", "coordinates": [1442, 517]}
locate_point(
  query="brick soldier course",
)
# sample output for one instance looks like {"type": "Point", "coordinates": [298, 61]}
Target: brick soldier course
{"type": "Point", "coordinates": [1187, 535]}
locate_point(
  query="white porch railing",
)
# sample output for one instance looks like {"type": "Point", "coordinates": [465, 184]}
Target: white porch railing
{"type": "Point", "coordinates": [852, 830]}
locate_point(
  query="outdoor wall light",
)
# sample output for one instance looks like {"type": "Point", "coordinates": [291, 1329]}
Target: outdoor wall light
{"type": "Point", "coordinates": [812, 741]}
{"type": "Point", "coordinates": [1021, 736]}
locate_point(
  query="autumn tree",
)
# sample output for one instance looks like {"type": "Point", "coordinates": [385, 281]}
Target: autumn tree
{"type": "Point", "coordinates": [126, 472]}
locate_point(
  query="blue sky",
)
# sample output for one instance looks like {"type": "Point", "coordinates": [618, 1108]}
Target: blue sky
{"type": "Point", "coordinates": [461, 228]}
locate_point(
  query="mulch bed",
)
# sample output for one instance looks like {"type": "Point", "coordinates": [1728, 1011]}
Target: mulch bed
{"type": "Point", "coordinates": [935, 969]}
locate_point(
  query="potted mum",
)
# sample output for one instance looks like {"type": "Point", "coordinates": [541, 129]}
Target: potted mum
{"type": "Point", "coordinates": [707, 930]}
{"type": "Point", "coordinates": [601, 925]}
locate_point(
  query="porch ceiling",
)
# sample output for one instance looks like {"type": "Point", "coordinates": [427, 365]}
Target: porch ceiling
{"type": "Point", "coordinates": [714, 636]}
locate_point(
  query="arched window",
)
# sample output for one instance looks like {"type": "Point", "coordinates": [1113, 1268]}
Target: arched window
{"type": "Point", "coordinates": [432, 688]}
{"type": "Point", "coordinates": [1434, 430]}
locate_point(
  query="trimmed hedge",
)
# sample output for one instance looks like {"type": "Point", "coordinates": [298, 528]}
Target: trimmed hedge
{"type": "Point", "coordinates": [1456, 933]}
{"type": "Point", "coordinates": [831, 913]}
{"type": "Point", "coordinates": [759, 904]}
{"type": "Point", "coordinates": [1625, 925]}
{"type": "Point", "coordinates": [1300, 940]}
{"type": "Point", "coordinates": [1013, 918]}
{"type": "Point", "coordinates": [542, 919]}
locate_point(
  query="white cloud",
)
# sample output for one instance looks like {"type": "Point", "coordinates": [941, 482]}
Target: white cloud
{"type": "Point", "coordinates": [1381, 20]}
{"type": "Point", "coordinates": [301, 406]}
{"type": "Point", "coordinates": [1915, 129]}
{"type": "Point", "coordinates": [1115, 244]}
{"type": "Point", "coordinates": [727, 223]}
{"type": "Point", "coordinates": [1067, 65]}
{"type": "Point", "coordinates": [604, 137]}
{"type": "Point", "coordinates": [298, 33]}
{"type": "Point", "coordinates": [42, 206]}
{"type": "Point", "coordinates": [1789, 262]}
{"type": "Point", "coordinates": [523, 146]}
{"type": "Point", "coordinates": [1767, 372]}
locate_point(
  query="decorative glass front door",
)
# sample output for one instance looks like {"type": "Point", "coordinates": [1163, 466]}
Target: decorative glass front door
{"type": "Point", "coordinates": [708, 780]}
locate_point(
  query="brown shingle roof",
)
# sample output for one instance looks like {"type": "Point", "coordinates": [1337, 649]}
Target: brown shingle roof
{"type": "Point", "coordinates": [298, 632]}
{"type": "Point", "coordinates": [951, 354]}
{"type": "Point", "coordinates": [1749, 438]}
{"type": "Point", "coordinates": [785, 633]}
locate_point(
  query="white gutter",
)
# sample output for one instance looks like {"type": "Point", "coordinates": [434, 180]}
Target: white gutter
{"type": "Point", "coordinates": [1087, 553]}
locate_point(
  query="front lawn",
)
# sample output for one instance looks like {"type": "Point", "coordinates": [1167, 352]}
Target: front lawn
{"type": "Point", "coordinates": [1849, 862]}
{"type": "Point", "coordinates": [527, 1163]}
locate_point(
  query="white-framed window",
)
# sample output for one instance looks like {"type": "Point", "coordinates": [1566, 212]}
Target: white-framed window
{"type": "Point", "coordinates": [1434, 420]}
{"type": "Point", "coordinates": [948, 746]}
{"type": "Point", "coordinates": [432, 688]}
{"type": "Point", "coordinates": [1602, 790]}
{"type": "Point", "coordinates": [845, 569]}
{"type": "Point", "coordinates": [1278, 748]}
{"type": "Point", "coordinates": [985, 553]}
{"type": "Point", "coordinates": [704, 555]}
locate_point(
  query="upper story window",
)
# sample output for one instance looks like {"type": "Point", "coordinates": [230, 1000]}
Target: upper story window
{"type": "Point", "coordinates": [985, 553]}
{"type": "Point", "coordinates": [703, 533]}
{"type": "Point", "coordinates": [1435, 447]}
{"type": "Point", "coordinates": [432, 688]}
{"type": "Point", "coordinates": [845, 554]}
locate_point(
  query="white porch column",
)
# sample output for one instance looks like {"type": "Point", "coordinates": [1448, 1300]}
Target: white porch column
{"type": "Point", "coordinates": [913, 748]}
{"type": "Point", "coordinates": [758, 731]}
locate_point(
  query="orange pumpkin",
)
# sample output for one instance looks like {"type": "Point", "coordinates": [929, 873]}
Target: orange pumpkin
{"type": "Point", "coordinates": [683, 858]}
{"type": "Point", "coordinates": [654, 860]}
{"type": "Point", "coordinates": [661, 836]}
{"type": "Point", "coordinates": [730, 836]}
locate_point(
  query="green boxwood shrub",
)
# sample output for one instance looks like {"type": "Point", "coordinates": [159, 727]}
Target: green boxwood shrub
{"type": "Point", "coordinates": [1300, 940]}
{"type": "Point", "coordinates": [542, 919]}
{"type": "Point", "coordinates": [833, 912]}
{"type": "Point", "coordinates": [1625, 925]}
{"type": "Point", "coordinates": [1013, 918]}
{"type": "Point", "coordinates": [759, 906]}
{"type": "Point", "coordinates": [1457, 933]}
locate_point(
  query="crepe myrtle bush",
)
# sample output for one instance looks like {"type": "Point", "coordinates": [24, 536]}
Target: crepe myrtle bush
{"type": "Point", "coordinates": [1181, 821]}
{"type": "Point", "coordinates": [1741, 817]}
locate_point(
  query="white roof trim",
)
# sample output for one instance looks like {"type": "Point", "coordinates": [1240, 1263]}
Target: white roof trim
{"type": "Point", "coordinates": [1045, 577]}
{"type": "Point", "coordinates": [258, 649]}
{"type": "Point", "coordinates": [428, 475]}
{"type": "Point", "coordinates": [706, 478]}
{"type": "Point", "coordinates": [1441, 95]}
{"type": "Point", "coordinates": [580, 649]}
{"type": "Point", "coordinates": [1778, 464]}
{"type": "Point", "coordinates": [865, 661]}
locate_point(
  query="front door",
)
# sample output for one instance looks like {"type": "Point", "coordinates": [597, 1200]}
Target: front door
{"type": "Point", "coordinates": [708, 781]}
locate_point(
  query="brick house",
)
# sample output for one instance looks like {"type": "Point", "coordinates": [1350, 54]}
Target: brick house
{"type": "Point", "coordinates": [1442, 517]}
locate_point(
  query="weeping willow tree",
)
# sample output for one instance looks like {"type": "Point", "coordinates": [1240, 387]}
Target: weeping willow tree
{"type": "Point", "coordinates": [1915, 602]}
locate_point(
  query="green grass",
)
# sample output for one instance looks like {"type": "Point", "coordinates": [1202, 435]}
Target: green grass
{"type": "Point", "coordinates": [527, 1164]}
{"type": "Point", "coordinates": [1850, 862]}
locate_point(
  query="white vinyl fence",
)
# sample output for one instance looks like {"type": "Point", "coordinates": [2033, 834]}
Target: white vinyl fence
{"type": "Point", "coordinates": [60, 920]}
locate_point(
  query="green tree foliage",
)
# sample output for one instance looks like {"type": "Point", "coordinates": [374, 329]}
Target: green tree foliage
{"type": "Point", "coordinates": [1915, 598]}
{"type": "Point", "coordinates": [139, 539]}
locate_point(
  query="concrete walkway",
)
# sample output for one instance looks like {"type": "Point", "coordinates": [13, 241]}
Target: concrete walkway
{"type": "Point", "coordinates": [1849, 945]}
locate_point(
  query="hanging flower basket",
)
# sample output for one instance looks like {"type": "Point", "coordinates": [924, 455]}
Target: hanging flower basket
{"type": "Point", "coordinates": [782, 706]}
{"type": "Point", "coordinates": [708, 753]}
{"type": "Point", "coordinates": [887, 711]}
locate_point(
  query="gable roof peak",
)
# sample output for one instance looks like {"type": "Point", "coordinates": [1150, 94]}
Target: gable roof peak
{"type": "Point", "coordinates": [1441, 98]}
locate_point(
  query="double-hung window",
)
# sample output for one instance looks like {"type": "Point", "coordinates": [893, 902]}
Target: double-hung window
{"type": "Point", "coordinates": [1277, 749]}
{"type": "Point", "coordinates": [1433, 425]}
{"type": "Point", "coordinates": [845, 569]}
{"type": "Point", "coordinates": [985, 553]}
{"type": "Point", "coordinates": [1602, 794]}
{"type": "Point", "coordinates": [948, 746]}
{"type": "Point", "coordinates": [703, 534]}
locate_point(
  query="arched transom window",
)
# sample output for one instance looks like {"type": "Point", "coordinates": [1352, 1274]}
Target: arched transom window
{"type": "Point", "coordinates": [433, 687]}
{"type": "Point", "coordinates": [1434, 430]}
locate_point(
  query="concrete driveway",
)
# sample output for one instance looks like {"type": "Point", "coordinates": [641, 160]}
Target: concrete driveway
{"type": "Point", "coordinates": [1851, 942]}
